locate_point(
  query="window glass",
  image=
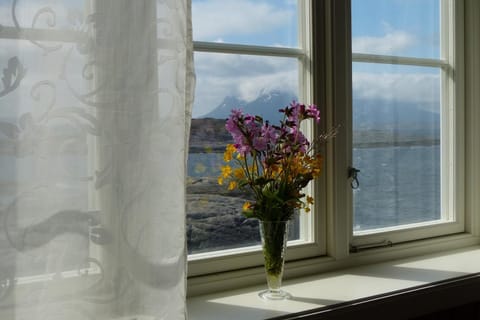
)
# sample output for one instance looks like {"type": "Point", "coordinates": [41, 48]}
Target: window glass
{"type": "Point", "coordinates": [258, 85]}
{"type": "Point", "coordinates": [265, 22]}
{"type": "Point", "coordinates": [396, 114]}
{"type": "Point", "coordinates": [396, 144]}
{"type": "Point", "coordinates": [396, 27]}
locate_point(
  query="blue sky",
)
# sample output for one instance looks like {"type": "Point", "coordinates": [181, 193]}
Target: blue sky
{"type": "Point", "coordinates": [412, 26]}
{"type": "Point", "coordinates": [261, 22]}
{"type": "Point", "coordinates": [389, 27]}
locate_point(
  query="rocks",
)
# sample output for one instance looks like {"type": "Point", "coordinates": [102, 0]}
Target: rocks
{"type": "Point", "coordinates": [214, 218]}
{"type": "Point", "coordinates": [209, 186]}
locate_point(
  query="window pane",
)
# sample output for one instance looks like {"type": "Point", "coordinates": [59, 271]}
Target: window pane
{"type": "Point", "coordinates": [225, 81]}
{"type": "Point", "coordinates": [396, 145]}
{"type": "Point", "coordinates": [265, 22]}
{"type": "Point", "coordinates": [258, 85]}
{"type": "Point", "coordinates": [396, 27]}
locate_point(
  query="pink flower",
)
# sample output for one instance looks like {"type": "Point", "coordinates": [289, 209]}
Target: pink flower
{"type": "Point", "coordinates": [232, 123]}
{"type": "Point", "coordinates": [259, 143]}
{"type": "Point", "coordinates": [270, 134]}
{"type": "Point", "coordinates": [313, 112]}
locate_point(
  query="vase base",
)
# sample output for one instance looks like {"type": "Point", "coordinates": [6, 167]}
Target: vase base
{"type": "Point", "coordinates": [274, 295]}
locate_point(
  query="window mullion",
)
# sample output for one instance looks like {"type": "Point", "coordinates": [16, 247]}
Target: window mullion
{"type": "Point", "coordinates": [399, 60]}
{"type": "Point", "coordinates": [32, 34]}
{"type": "Point", "coordinates": [218, 47]}
{"type": "Point", "coordinates": [340, 95]}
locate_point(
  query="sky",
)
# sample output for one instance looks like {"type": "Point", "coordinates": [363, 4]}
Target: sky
{"type": "Point", "coordinates": [390, 27]}
{"type": "Point", "coordinates": [387, 27]}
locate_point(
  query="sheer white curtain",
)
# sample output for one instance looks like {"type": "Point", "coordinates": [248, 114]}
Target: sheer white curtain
{"type": "Point", "coordinates": [95, 105]}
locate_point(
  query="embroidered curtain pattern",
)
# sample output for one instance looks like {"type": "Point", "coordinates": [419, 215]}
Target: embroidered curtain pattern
{"type": "Point", "coordinates": [95, 106]}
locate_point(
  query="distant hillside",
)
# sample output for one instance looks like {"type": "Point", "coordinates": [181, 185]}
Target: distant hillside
{"type": "Point", "coordinates": [266, 105]}
{"type": "Point", "coordinates": [377, 123]}
{"type": "Point", "coordinates": [389, 123]}
{"type": "Point", "coordinates": [208, 135]}
{"type": "Point", "coordinates": [222, 111]}
{"type": "Point", "coordinates": [379, 115]}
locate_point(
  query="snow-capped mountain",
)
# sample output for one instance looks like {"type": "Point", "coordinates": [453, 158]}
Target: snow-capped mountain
{"type": "Point", "coordinates": [266, 105]}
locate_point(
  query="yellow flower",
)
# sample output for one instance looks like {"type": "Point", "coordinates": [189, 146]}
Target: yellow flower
{"type": "Point", "coordinates": [238, 173]}
{"type": "Point", "coordinates": [228, 154]}
{"type": "Point", "coordinates": [246, 206]}
{"type": "Point", "coordinates": [226, 171]}
{"type": "Point", "coordinates": [273, 171]}
{"type": "Point", "coordinates": [232, 185]}
{"type": "Point", "coordinates": [220, 180]}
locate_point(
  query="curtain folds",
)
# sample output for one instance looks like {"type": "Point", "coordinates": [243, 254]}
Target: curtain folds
{"type": "Point", "coordinates": [95, 108]}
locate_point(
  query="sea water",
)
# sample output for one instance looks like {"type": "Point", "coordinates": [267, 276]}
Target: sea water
{"type": "Point", "coordinates": [397, 184]}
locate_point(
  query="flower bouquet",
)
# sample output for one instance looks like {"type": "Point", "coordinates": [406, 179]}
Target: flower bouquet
{"type": "Point", "coordinates": [273, 162]}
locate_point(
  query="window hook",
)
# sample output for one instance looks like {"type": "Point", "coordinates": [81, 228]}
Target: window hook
{"type": "Point", "coordinates": [352, 173]}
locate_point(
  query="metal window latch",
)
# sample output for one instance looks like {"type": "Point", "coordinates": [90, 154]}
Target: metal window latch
{"type": "Point", "coordinates": [352, 174]}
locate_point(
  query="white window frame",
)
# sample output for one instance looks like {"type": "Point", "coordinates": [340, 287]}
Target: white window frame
{"type": "Point", "coordinates": [312, 237]}
{"type": "Point", "coordinates": [332, 90]}
{"type": "Point", "coordinates": [452, 137]}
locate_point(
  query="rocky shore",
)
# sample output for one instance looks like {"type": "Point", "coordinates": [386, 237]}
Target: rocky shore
{"type": "Point", "coordinates": [214, 218]}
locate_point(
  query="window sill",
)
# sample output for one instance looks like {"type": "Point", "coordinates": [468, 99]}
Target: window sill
{"type": "Point", "coordinates": [336, 287]}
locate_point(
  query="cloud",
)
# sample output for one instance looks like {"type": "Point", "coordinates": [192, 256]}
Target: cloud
{"type": "Point", "coordinates": [215, 19]}
{"type": "Point", "coordinates": [392, 42]}
{"type": "Point", "coordinates": [411, 87]}
{"type": "Point", "coordinates": [242, 76]}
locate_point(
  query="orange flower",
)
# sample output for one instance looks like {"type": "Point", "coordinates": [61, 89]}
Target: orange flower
{"type": "Point", "coordinates": [246, 206]}
{"type": "Point", "coordinates": [309, 200]}
{"type": "Point", "coordinates": [239, 173]}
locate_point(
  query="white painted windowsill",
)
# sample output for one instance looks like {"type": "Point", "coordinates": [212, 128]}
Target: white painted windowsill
{"type": "Point", "coordinates": [334, 287]}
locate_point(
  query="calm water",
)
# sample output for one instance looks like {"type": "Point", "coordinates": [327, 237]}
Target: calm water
{"type": "Point", "coordinates": [398, 185]}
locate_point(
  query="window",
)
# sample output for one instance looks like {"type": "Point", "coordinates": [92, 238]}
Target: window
{"type": "Point", "coordinates": [253, 55]}
{"type": "Point", "coordinates": [406, 105]}
{"type": "Point", "coordinates": [389, 74]}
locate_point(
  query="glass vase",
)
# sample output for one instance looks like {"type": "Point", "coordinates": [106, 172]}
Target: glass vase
{"type": "Point", "coordinates": [274, 235]}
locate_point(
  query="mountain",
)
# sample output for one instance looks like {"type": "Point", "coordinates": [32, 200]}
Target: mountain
{"type": "Point", "coordinates": [222, 111]}
{"type": "Point", "coordinates": [266, 105]}
{"type": "Point", "coordinates": [382, 114]}
{"type": "Point", "coordinates": [376, 122]}
{"type": "Point", "coordinates": [395, 122]}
